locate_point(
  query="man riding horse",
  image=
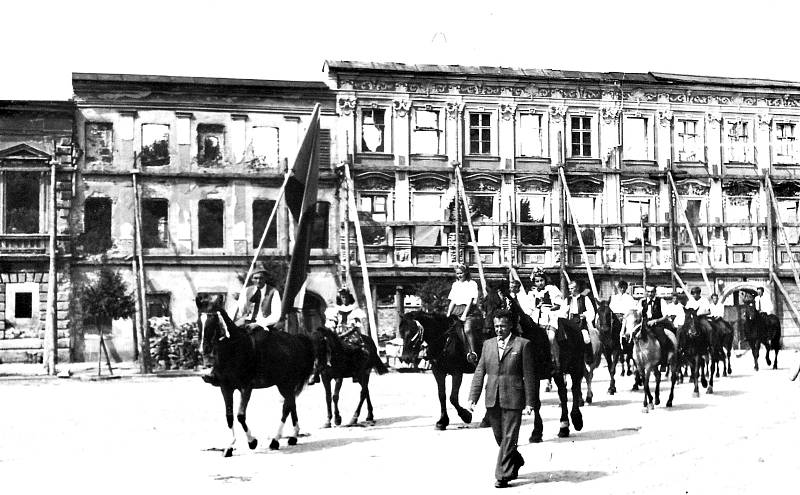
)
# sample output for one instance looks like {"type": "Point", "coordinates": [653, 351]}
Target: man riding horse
{"type": "Point", "coordinates": [579, 319]}
{"type": "Point", "coordinates": [546, 301]}
{"type": "Point", "coordinates": [656, 320]}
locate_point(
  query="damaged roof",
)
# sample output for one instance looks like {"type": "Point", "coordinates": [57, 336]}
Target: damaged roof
{"type": "Point", "coordinates": [91, 77]}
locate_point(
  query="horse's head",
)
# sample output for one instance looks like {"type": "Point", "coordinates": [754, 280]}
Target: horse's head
{"type": "Point", "coordinates": [605, 318]}
{"type": "Point", "coordinates": [214, 323]}
{"type": "Point", "coordinates": [630, 322]}
{"type": "Point", "coordinates": [413, 333]}
{"type": "Point", "coordinates": [690, 323]}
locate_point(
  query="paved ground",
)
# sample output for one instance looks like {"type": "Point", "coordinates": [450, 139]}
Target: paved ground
{"type": "Point", "coordinates": [162, 435]}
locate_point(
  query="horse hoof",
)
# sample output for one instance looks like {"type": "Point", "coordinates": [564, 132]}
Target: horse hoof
{"type": "Point", "coordinates": [440, 427]}
{"type": "Point", "coordinates": [612, 390]}
{"type": "Point", "coordinates": [274, 445]}
{"type": "Point", "coordinates": [645, 409]}
{"type": "Point", "coordinates": [577, 420]}
{"type": "Point", "coordinates": [228, 452]}
{"type": "Point", "coordinates": [292, 441]}
{"type": "Point", "coordinates": [696, 394]}
{"type": "Point", "coordinates": [465, 416]}
{"type": "Point", "coordinates": [658, 402]}
{"type": "Point", "coordinates": [710, 390]}
{"type": "Point", "coordinates": [253, 444]}
{"type": "Point", "coordinates": [326, 424]}
{"type": "Point", "coordinates": [538, 438]}
{"type": "Point", "coordinates": [337, 420]}
{"type": "Point", "coordinates": [629, 373]}
{"type": "Point", "coordinates": [548, 388]}
{"type": "Point", "coordinates": [563, 432]}
{"type": "Point", "coordinates": [755, 367]}
{"type": "Point", "coordinates": [370, 422]}
{"type": "Point", "coordinates": [650, 406]}
{"type": "Point", "coordinates": [589, 401]}
{"type": "Point", "coordinates": [635, 388]}
{"type": "Point", "coordinates": [353, 422]}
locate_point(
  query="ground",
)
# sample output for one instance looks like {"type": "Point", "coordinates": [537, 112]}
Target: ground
{"type": "Point", "coordinates": [162, 435]}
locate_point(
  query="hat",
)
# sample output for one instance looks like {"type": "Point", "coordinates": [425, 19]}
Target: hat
{"type": "Point", "coordinates": [260, 267]}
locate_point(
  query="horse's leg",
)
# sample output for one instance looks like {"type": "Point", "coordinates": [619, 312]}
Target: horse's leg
{"type": "Point", "coordinates": [290, 398]}
{"type": "Point", "coordinates": [370, 417]}
{"type": "Point", "coordinates": [589, 373]}
{"type": "Point", "coordinates": [252, 442]}
{"type": "Point", "coordinates": [444, 421]}
{"type": "Point", "coordinates": [337, 418]}
{"type": "Point", "coordinates": [455, 387]}
{"type": "Point", "coordinates": [712, 370]}
{"type": "Point", "coordinates": [648, 397]}
{"type": "Point", "coordinates": [274, 444]}
{"type": "Point", "coordinates": [728, 354]}
{"type": "Point", "coordinates": [755, 347]}
{"type": "Point", "coordinates": [703, 380]}
{"type": "Point", "coordinates": [561, 385]}
{"type": "Point", "coordinates": [538, 428]}
{"type": "Point", "coordinates": [674, 379]}
{"type": "Point", "coordinates": [577, 418]}
{"type": "Point", "coordinates": [364, 382]}
{"type": "Point", "coordinates": [776, 347]}
{"type": "Point", "coordinates": [695, 375]}
{"type": "Point", "coordinates": [657, 373]}
{"type": "Point", "coordinates": [611, 360]}
{"type": "Point", "coordinates": [766, 351]}
{"type": "Point", "coordinates": [549, 386]}
{"type": "Point", "coordinates": [227, 396]}
{"type": "Point", "coordinates": [326, 382]}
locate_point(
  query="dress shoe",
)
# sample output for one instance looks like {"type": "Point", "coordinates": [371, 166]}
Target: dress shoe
{"type": "Point", "coordinates": [518, 464]}
{"type": "Point", "coordinates": [501, 484]}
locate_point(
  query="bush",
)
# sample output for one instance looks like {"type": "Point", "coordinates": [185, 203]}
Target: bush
{"type": "Point", "coordinates": [174, 348]}
{"type": "Point", "coordinates": [433, 294]}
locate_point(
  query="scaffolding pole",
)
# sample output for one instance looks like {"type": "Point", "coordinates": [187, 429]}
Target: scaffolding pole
{"type": "Point", "coordinates": [577, 227]}
{"type": "Point", "coordinates": [784, 236]}
{"type": "Point", "coordinates": [465, 199]}
{"type": "Point", "coordinates": [679, 205]}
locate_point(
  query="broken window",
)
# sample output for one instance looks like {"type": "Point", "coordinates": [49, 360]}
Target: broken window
{"type": "Point", "coordinates": [158, 304]}
{"type": "Point", "coordinates": [373, 127]}
{"type": "Point", "coordinates": [155, 224]}
{"type": "Point", "coordinates": [319, 232]}
{"type": "Point", "coordinates": [790, 214]}
{"type": "Point", "coordinates": [372, 214]}
{"type": "Point", "coordinates": [695, 213]}
{"type": "Point", "coordinates": [581, 132]}
{"type": "Point", "coordinates": [633, 210]}
{"type": "Point", "coordinates": [210, 213]}
{"type": "Point", "coordinates": [155, 144]}
{"type": "Point", "coordinates": [530, 135]}
{"type": "Point", "coordinates": [210, 141]}
{"type": "Point", "coordinates": [96, 225]}
{"type": "Point", "coordinates": [739, 146]}
{"type": "Point", "coordinates": [22, 202]}
{"type": "Point", "coordinates": [784, 135]}
{"type": "Point", "coordinates": [482, 209]}
{"type": "Point", "coordinates": [427, 136]}
{"type": "Point", "coordinates": [531, 209]}
{"type": "Point", "coordinates": [687, 142]}
{"type": "Point", "coordinates": [99, 142]}
{"type": "Point", "coordinates": [587, 210]}
{"type": "Point", "coordinates": [263, 150]}
{"type": "Point", "coordinates": [739, 209]}
{"type": "Point", "coordinates": [427, 207]}
{"type": "Point", "coordinates": [635, 138]}
{"type": "Point", "coordinates": [480, 133]}
{"type": "Point", "coordinates": [262, 209]}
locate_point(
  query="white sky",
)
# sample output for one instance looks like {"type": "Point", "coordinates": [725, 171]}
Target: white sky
{"type": "Point", "coordinates": [43, 42]}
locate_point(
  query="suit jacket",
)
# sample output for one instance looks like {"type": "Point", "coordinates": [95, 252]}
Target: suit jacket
{"type": "Point", "coordinates": [509, 378]}
{"type": "Point", "coordinates": [267, 314]}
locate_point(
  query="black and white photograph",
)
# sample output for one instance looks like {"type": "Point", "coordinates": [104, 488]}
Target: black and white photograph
{"type": "Point", "coordinates": [399, 248]}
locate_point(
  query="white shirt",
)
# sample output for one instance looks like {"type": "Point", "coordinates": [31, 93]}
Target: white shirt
{"type": "Point", "coordinates": [260, 319]}
{"type": "Point", "coordinates": [764, 304]}
{"type": "Point", "coordinates": [702, 305]}
{"type": "Point", "coordinates": [622, 303]}
{"type": "Point", "coordinates": [502, 344]}
{"type": "Point", "coordinates": [678, 312]}
{"type": "Point", "coordinates": [717, 310]}
{"type": "Point", "coordinates": [589, 314]}
{"type": "Point", "coordinates": [462, 292]}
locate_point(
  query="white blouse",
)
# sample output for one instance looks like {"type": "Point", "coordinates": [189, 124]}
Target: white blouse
{"type": "Point", "coordinates": [463, 292]}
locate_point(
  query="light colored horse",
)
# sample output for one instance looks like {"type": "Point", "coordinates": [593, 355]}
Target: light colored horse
{"type": "Point", "coordinates": [647, 355]}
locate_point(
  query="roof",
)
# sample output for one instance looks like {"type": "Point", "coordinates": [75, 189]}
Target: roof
{"type": "Point", "coordinates": [89, 77]}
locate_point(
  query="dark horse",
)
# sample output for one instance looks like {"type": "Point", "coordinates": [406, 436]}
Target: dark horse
{"type": "Point", "coordinates": [610, 328]}
{"type": "Point", "coordinates": [760, 328]}
{"type": "Point", "coordinates": [445, 351]}
{"type": "Point", "coordinates": [694, 348]}
{"type": "Point", "coordinates": [244, 361]}
{"type": "Point", "coordinates": [346, 361]}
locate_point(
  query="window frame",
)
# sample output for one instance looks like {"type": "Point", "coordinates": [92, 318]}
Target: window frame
{"type": "Point", "coordinates": [110, 147]}
{"type": "Point", "coordinates": [222, 219]}
{"type": "Point", "coordinates": [42, 198]}
{"type": "Point", "coordinates": [648, 141]}
{"type": "Point", "coordinates": [778, 157]}
{"type": "Point", "coordinates": [546, 218]}
{"type": "Point", "coordinates": [747, 147]}
{"type": "Point", "coordinates": [257, 235]}
{"type": "Point", "coordinates": [204, 130]}
{"type": "Point", "coordinates": [158, 161]}
{"type": "Point", "coordinates": [326, 227]}
{"type": "Point", "coordinates": [752, 214]}
{"type": "Point", "coordinates": [440, 131]}
{"type": "Point", "coordinates": [681, 141]}
{"type": "Point", "coordinates": [386, 142]}
{"type": "Point", "coordinates": [491, 128]}
{"type": "Point", "coordinates": [163, 238]}
{"type": "Point", "coordinates": [544, 144]}
{"type": "Point", "coordinates": [389, 201]}
{"type": "Point", "coordinates": [110, 238]}
{"type": "Point", "coordinates": [598, 218]}
{"type": "Point", "coordinates": [593, 135]}
{"type": "Point", "coordinates": [495, 230]}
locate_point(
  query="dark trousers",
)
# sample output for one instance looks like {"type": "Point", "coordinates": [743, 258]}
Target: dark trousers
{"type": "Point", "coordinates": [505, 426]}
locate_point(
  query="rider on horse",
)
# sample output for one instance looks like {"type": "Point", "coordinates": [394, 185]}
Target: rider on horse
{"type": "Point", "coordinates": [656, 320]}
{"type": "Point", "coordinates": [545, 300]}
{"type": "Point", "coordinates": [463, 298]}
{"type": "Point", "coordinates": [579, 319]}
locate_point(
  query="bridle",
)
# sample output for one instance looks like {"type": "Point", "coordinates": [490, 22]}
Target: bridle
{"type": "Point", "coordinates": [223, 326]}
{"type": "Point", "coordinates": [416, 341]}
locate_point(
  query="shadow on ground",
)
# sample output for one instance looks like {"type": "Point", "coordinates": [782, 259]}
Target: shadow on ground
{"type": "Point", "coordinates": [559, 476]}
{"type": "Point", "coordinates": [316, 445]}
{"type": "Point", "coordinates": [589, 435]}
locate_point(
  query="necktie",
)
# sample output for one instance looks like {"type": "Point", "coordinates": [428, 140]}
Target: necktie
{"type": "Point", "coordinates": [256, 304]}
{"type": "Point", "coordinates": [501, 345]}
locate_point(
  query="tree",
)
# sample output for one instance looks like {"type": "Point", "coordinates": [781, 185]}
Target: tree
{"type": "Point", "coordinates": [107, 299]}
{"type": "Point", "coordinates": [433, 294]}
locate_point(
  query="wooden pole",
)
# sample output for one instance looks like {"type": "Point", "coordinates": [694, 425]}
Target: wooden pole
{"type": "Point", "coordinates": [51, 334]}
{"type": "Point", "coordinates": [266, 229]}
{"type": "Point", "coordinates": [145, 365]}
{"type": "Point", "coordinates": [562, 221]}
{"type": "Point", "coordinates": [644, 254]}
{"type": "Point", "coordinates": [771, 254]}
{"type": "Point", "coordinates": [577, 227]}
{"type": "Point", "coordinates": [373, 325]}
{"type": "Point", "coordinates": [679, 205]}
{"type": "Point", "coordinates": [782, 230]}
{"type": "Point", "coordinates": [475, 249]}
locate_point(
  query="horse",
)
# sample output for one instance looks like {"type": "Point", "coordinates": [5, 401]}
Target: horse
{"type": "Point", "coordinates": [346, 361]}
{"type": "Point", "coordinates": [609, 327]}
{"type": "Point", "coordinates": [648, 354]}
{"type": "Point", "coordinates": [723, 333]}
{"type": "Point", "coordinates": [243, 361]}
{"type": "Point", "coordinates": [693, 349]}
{"type": "Point", "coordinates": [445, 351]}
{"type": "Point", "coordinates": [760, 328]}
{"type": "Point", "coordinates": [597, 357]}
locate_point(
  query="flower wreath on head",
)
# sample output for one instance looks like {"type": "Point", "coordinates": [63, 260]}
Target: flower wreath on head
{"type": "Point", "coordinates": [539, 272]}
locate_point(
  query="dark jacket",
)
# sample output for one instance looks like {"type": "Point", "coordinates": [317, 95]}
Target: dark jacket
{"type": "Point", "coordinates": [509, 378]}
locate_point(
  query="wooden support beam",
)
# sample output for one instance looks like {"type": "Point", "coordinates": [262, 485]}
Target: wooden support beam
{"type": "Point", "coordinates": [700, 260]}
{"type": "Point", "coordinates": [782, 230]}
{"type": "Point", "coordinates": [577, 227]}
{"type": "Point", "coordinates": [477, 252]}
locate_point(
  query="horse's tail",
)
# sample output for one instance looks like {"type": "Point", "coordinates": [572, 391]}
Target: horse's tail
{"type": "Point", "coordinates": [374, 358]}
{"type": "Point", "coordinates": [306, 365]}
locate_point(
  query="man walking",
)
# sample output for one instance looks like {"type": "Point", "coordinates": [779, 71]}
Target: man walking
{"type": "Point", "coordinates": [507, 364]}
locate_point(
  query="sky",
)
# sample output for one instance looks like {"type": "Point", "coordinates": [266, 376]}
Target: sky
{"type": "Point", "coordinates": [43, 42]}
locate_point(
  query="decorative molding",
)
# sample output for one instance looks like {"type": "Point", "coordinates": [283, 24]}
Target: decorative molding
{"type": "Point", "coordinates": [453, 109]}
{"type": "Point", "coordinates": [786, 189]}
{"type": "Point", "coordinates": [741, 187]}
{"type": "Point", "coordinates": [764, 119]}
{"type": "Point", "coordinates": [692, 187]}
{"type": "Point", "coordinates": [585, 184]}
{"type": "Point", "coordinates": [610, 112]}
{"type": "Point", "coordinates": [481, 182]}
{"type": "Point", "coordinates": [508, 111]}
{"type": "Point", "coordinates": [346, 105]}
{"type": "Point", "coordinates": [665, 117]}
{"type": "Point", "coordinates": [428, 181]}
{"type": "Point", "coordinates": [713, 118]}
{"type": "Point", "coordinates": [533, 184]}
{"type": "Point", "coordinates": [557, 112]}
{"type": "Point", "coordinates": [401, 107]}
{"type": "Point", "coordinates": [374, 181]}
{"type": "Point", "coordinates": [639, 185]}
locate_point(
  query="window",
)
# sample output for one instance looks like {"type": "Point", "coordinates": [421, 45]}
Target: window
{"type": "Point", "coordinates": [262, 209]}
{"type": "Point", "coordinates": [482, 208]}
{"type": "Point", "coordinates": [373, 127]}
{"type": "Point", "coordinates": [22, 202]}
{"type": "Point", "coordinates": [23, 305]}
{"type": "Point", "coordinates": [99, 142]}
{"type": "Point", "coordinates": [372, 214]}
{"type": "Point", "coordinates": [532, 209]}
{"type": "Point", "coordinates": [784, 151]}
{"type": "Point", "coordinates": [210, 223]}
{"type": "Point", "coordinates": [158, 304]}
{"type": "Point", "coordinates": [427, 135]}
{"type": "Point", "coordinates": [155, 223]}
{"type": "Point", "coordinates": [635, 138]}
{"type": "Point", "coordinates": [696, 213]}
{"type": "Point", "coordinates": [319, 232]}
{"type": "Point", "coordinates": [739, 209]}
{"type": "Point", "coordinates": [687, 141]}
{"type": "Point", "coordinates": [263, 150]}
{"type": "Point", "coordinates": [530, 136]}
{"type": "Point", "coordinates": [427, 207]}
{"type": "Point", "coordinates": [588, 210]}
{"type": "Point", "coordinates": [96, 225]}
{"type": "Point", "coordinates": [581, 136]}
{"type": "Point", "coordinates": [210, 144]}
{"type": "Point", "coordinates": [633, 209]}
{"type": "Point", "coordinates": [739, 145]}
{"type": "Point", "coordinates": [790, 213]}
{"type": "Point", "coordinates": [480, 133]}
{"type": "Point", "coordinates": [155, 144]}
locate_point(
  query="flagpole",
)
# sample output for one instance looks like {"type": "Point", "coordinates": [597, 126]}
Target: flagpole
{"type": "Point", "coordinates": [266, 229]}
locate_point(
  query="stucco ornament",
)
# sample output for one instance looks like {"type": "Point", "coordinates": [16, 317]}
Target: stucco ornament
{"type": "Point", "coordinates": [557, 112]}
{"type": "Point", "coordinates": [610, 112]}
{"type": "Point", "coordinates": [665, 117]}
{"type": "Point", "coordinates": [347, 105]}
{"type": "Point", "coordinates": [453, 109]}
{"type": "Point", "coordinates": [401, 107]}
{"type": "Point", "coordinates": [507, 111]}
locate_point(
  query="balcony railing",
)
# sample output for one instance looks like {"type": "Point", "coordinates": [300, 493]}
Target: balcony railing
{"type": "Point", "coordinates": [16, 244]}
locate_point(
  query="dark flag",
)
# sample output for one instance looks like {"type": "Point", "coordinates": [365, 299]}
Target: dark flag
{"type": "Point", "coordinates": [301, 199]}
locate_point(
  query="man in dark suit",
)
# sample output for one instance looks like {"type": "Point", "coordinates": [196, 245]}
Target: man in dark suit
{"type": "Point", "coordinates": [507, 364]}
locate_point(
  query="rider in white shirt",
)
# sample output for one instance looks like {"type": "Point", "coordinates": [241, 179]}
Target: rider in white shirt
{"type": "Point", "coordinates": [699, 303]}
{"type": "Point", "coordinates": [675, 310]}
{"type": "Point", "coordinates": [763, 303]}
{"type": "Point", "coordinates": [622, 303]}
{"type": "Point", "coordinates": [717, 308]}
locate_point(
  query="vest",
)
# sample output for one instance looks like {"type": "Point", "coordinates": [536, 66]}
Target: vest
{"type": "Point", "coordinates": [656, 313]}
{"type": "Point", "coordinates": [265, 304]}
{"type": "Point", "coordinates": [581, 304]}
